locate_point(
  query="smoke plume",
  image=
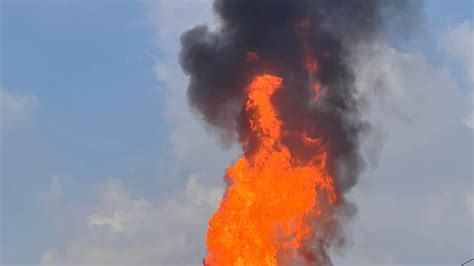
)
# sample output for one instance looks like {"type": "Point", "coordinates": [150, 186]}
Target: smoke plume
{"type": "Point", "coordinates": [307, 43]}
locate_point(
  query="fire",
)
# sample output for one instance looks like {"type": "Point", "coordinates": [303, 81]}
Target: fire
{"type": "Point", "coordinates": [265, 214]}
{"type": "Point", "coordinates": [303, 29]}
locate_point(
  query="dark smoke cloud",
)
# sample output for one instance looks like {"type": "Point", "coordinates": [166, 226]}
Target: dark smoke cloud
{"type": "Point", "coordinates": [219, 69]}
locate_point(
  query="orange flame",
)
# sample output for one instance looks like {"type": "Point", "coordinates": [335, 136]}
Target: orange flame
{"type": "Point", "coordinates": [308, 59]}
{"type": "Point", "coordinates": [264, 214]}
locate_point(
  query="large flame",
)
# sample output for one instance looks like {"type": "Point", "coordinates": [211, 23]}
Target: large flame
{"type": "Point", "coordinates": [265, 214]}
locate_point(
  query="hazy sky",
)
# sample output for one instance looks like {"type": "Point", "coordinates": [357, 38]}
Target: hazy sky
{"type": "Point", "coordinates": [103, 162]}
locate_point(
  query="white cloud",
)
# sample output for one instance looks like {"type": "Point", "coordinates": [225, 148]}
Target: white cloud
{"type": "Point", "coordinates": [120, 214]}
{"type": "Point", "coordinates": [409, 205]}
{"type": "Point", "coordinates": [15, 107]}
{"type": "Point", "coordinates": [194, 146]}
{"type": "Point", "coordinates": [171, 18]}
{"type": "Point", "coordinates": [459, 43]}
{"type": "Point", "coordinates": [409, 211]}
{"type": "Point", "coordinates": [49, 257]}
{"type": "Point", "coordinates": [171, 230]}
{"type": "Point", "coordinates": [120, 229]}
{"type": "Point", "coordinates": [115, 221]}
{"type": "Point", "coordinates": [201, 194]}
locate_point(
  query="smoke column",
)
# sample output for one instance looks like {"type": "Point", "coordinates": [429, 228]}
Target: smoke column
{"type": "Point", "coordinates": [296, 53]}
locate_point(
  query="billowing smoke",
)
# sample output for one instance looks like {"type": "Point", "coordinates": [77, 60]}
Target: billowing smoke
{"type": "Point", "coordinates": [279, 37]}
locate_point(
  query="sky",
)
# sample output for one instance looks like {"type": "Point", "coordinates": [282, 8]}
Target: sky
{"type": "Point", "coordinates": [103, 162]}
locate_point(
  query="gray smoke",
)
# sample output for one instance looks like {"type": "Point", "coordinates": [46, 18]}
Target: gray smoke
{"type": "Point", "coordinates": [220, 72]}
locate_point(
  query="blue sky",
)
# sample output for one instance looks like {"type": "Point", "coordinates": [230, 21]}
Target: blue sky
{"type": "Point", "coordinates": [90, 67]}
{"type": "Point", "coordinates": [98, 109]}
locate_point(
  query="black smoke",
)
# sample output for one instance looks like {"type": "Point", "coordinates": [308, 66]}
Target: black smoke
{"type": "Point", "coordinates": [219, 69]}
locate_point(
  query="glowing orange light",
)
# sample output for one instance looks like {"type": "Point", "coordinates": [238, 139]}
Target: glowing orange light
{"type": "Point", "coordinates": [266, 207]}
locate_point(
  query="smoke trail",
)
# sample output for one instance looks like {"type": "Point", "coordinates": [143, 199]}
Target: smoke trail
{"type": "Point", "coordinates": [278, 36]}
